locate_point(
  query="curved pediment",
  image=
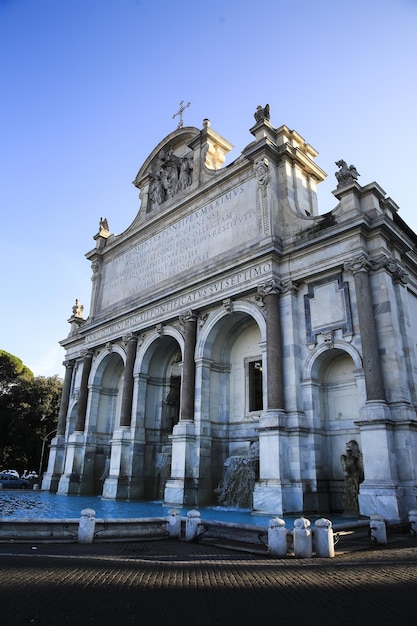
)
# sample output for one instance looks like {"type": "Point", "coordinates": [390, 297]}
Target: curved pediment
{"type": "Point", "coordinates": [169, 168]}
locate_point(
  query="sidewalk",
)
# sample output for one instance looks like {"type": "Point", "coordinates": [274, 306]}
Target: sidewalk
{"type": "Point", "coordinates": [177, 583]}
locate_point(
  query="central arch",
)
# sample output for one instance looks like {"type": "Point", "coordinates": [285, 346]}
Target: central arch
{"type": "Point", "coordinates": [229, 345]}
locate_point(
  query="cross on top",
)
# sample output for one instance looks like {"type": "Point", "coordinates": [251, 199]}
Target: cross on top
{"type": "Point", "coordinates": [180, 112]}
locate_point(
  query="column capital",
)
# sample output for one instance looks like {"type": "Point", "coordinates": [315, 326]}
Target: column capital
{"type": "Point", "coordinates": [188, 316]}
{"type": "Point", "coordinates": [129, 337]}
{"type": "Point", "coordinates": [269, 287]}
{"type": "Point", "coordinates": [399, 275]}
{"type": "Point", "coordinates": [359, 263]}
{"type": "Point", "coordinates": [87, 353]}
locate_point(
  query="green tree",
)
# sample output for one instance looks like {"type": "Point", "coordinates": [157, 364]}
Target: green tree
{"type": "Point", "coordinates": [12, 371]}
{"type": "Point", "coordinates": [29, 408]}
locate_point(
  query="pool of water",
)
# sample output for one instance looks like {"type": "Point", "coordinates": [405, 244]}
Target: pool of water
{"type": "Point", "coordinates": [46, 505]}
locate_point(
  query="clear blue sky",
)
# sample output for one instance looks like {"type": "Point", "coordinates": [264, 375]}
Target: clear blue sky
{"type": "Point", "coordinates": [88, 88]}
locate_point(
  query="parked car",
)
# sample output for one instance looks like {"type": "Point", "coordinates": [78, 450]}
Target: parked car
{"type": "Point", "coordinates": [14, 472]}
{"type": "Point", "coordinates": [10, 481]}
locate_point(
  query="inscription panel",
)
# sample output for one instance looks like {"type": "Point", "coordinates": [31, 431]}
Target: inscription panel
{"type": "Point", "coordinates": [197, 297]}
{"type": "Point", "coordinates": [228, 221]}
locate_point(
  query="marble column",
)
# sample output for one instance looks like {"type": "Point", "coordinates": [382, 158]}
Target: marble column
{"type": "Point", "coordinates": [360, 267]}
{"type": "Point", "coordinates": [182, 488]}
{"type": "Point", "coordinates": [127, 394]}
{"type": "Point", "coordinates": [73, 480]}
{"type": "Point", "coordinates": [189, 320]}
{"type": "Point", "coordinates": [62, 417]}
{"type": "Point", "coordinates": [267, 496]}
{"type": "Point", "coordinates": [118, 484]}
{"type": "Point", "coordinates": [379, 492]}
{"type": "Point", "coordinates": [57, 448]}
{"type": "Point", "coordinates": [275, 389]}
{"type": "Point", "coordinates": [83, 397]}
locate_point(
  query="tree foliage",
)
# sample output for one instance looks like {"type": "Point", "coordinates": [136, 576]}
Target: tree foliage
{"type": "Point", "coordinates": [29, 408]}
{"type": "Point", "coordinates": [12, 370]}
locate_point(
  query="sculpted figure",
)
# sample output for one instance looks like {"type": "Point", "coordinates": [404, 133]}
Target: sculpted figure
{"type": "Point", "coordinates": [104, 226]}
{"type": "Point", "coordinates": [77, 309]}
{"type": "Point", "coordinates": [262, 172]}
{"type": "Point", "coordinates": [345, 174]}
{"type": "Point", "coordinates": [184, 179]}
{"type": "Point", "coordinates": [262, 113]}
{"type": "Point", "coordinates": [156, 191]}
{"type": "Point", "coordinates": [352, 466]}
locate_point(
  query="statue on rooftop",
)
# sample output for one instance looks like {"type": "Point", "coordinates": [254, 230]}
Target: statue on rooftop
{"type": "Point", "coordinates": [77, 309]}
{"type": "Point", "coordinates": [345, 174]}
{"type": "Point", "coordinates": [104, 226]}
{"type": "Point", "coordinates": [262, 113]}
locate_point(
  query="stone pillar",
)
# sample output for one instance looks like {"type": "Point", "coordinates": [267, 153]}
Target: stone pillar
{"type": "Point", "coordinates": [127, 394]}
{"type": "Point", "coordinates": [191, 525]}
{"type": "Point", "coordinates": [324, 538]}
{"type": "Point", "coordinates": [267, 496]}
{"type": "Point", "coordinates": [303, 539]}
{"type": "Point", "coordinates": [66, 389]}
{"type": "Point", "coordinates": [82, 400]}
{"type": "Point", "coordinates": [370, 353]}
{"type": "Point", "coordinates": [277, 538]}
{"type": "Point", "coordinates": [71, 481]}
{"type": "Point", "coordinates": [189, 321]}
{"type": "Point", "coordinates": [118, 484]}
{"type": "Point", "coordinates": [86, 526]}
{"type": "Point", "coordinates": [57, 448]}
{"type": "Point", "coordinates": [293, 498]}
{"type": "Point", "coordinates": [379, 493]}
{"type": "Point", "coordinates": [182, 488]}
{"type": "Point", "coordinates": [275, 390]}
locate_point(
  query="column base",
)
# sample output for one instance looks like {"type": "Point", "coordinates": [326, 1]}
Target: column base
{"type": "Point", "coordinates": [267, 497]}
{"type": "Point", "coordinates": [382, 499]}
{"type": "Point", "coordinates": [55, 468]}
{"type": "Point", "coordinates": [69, 485]}
{"type": "Point", "coordinates": [116, 488]}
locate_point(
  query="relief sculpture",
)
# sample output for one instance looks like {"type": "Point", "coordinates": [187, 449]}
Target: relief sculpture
{"type": "Point", "coordinates": [170, 175]}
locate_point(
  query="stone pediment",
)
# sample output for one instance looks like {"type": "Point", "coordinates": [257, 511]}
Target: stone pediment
{"type": "Point", "coordinates": [169, 168]}
{"type": "Point", "coordinates": [175, 166]}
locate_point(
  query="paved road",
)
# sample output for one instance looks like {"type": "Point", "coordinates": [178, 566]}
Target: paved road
{"type": "Point", "coordinates": [176, 583]}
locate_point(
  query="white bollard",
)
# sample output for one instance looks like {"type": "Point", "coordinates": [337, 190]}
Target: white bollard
{"type": "Point", "coordinates": [303, 541]}
{"type": "Point", "coordinates": [323, 538]}
{"type": "Point", "coordinates": [87, 526]}
{"type": "Point", "coordinates": [378, 529]}
{"type": "Point", "coordinates": [191, 525]}
{"type": "Point", "coordinates": [412, 518]}
{"type": "Point", "coordinates": [174, 524]}
{"type": "Point", "coordinates": [277, 537]}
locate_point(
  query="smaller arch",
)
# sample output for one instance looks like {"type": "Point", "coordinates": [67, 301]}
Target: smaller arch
{"type": "Point", "coordinates": [101, 361]}
{"type": "Point", "coordinates": [151, 343]}
{"type": "Point", "coordinates": [321, 354]}
{"type": "Point", "coordinates": [239, 306]}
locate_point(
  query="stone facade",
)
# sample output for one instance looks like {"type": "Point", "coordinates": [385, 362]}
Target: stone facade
{"type": "Point", "coordinates": [230, 312]}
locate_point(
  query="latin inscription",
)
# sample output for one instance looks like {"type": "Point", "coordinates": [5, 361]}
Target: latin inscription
{"type": "Point", "coordinates": [152, 314]}
{"type": "Point", "coordinates": [225, 222]}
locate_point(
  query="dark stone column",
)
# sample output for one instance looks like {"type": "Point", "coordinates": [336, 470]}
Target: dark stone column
{"type": "Point", "coordinates": [370, 353]}
{"type": "Point", "coordinates": [270, 291]}
{"type": "Point", "coordinates": [82, 400]}
{"type": "Point", "coordinates": [62, 417]}
{"type": "Point", "coordinates": [127, 394]}
{"type": "Point", "coordinates": [189, 321]}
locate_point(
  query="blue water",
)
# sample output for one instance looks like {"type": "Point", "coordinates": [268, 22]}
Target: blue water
{"type": "Point", "coordinates": [46, 505]}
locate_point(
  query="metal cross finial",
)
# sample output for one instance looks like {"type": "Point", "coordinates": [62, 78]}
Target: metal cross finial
{"type": "Point", "coordinates": [180, 112]}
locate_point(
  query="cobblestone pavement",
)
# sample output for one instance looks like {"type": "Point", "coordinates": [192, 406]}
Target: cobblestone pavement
{"type": "Point", "coordinates": [176, 583]}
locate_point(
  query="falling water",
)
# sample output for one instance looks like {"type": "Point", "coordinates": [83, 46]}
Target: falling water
{"type": "Point", "coordinates": [236, 488]}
